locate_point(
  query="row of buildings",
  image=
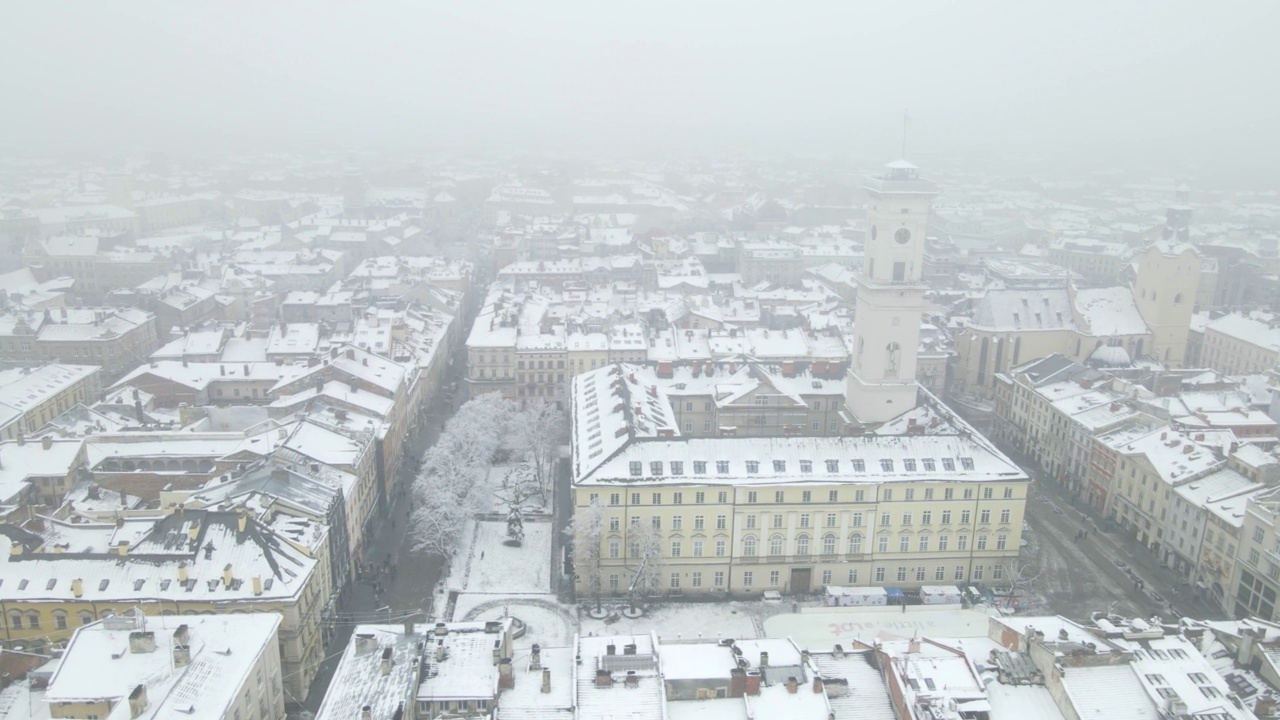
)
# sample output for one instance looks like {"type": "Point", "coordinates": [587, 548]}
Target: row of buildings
{"type": "Point", "coordinates": [233, 468]}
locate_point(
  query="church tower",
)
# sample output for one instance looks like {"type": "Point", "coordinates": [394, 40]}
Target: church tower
{"type": "Point", "coordinates": [890, 297]}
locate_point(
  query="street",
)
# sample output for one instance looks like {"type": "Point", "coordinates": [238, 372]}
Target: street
{"type": "Point", "coordinates": [1082, 575]}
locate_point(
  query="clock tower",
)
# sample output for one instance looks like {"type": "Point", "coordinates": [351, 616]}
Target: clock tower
{"type": "Point", "coordinates": [890, 297]}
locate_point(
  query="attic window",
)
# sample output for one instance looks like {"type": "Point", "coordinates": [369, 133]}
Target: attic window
{"type": "Point", "coordinates": [948, 464]}
{"type": "Point", "coordinates": [909, 464]}
{"type": "Point", "coordinates": [137, 584]}
{"type": "Point", "coordinates": [268, 583]}
{"type": "Point", "coordinates": [927, 464]}
{"type": "Point", "coordinates": [164, 584]}
{"type": "Point", "coordinates": [22, 584]}
{"type": "Point", "coordinates": [49, 585]}
{"type": "Point", "coordinates": [103, 585]}
{"type": "Point", "coordinates": [886, 465]}
{"type": "Point", "coordinates": [966, 463]}
{"type": "Point", "coordinates": [859, 465]}
{"type": "Point", "coordinates": [753, 467]}
{"type": "Point", "coordinates": [806, 466]}
{"type": "Point", "coordinates": [779, 466]}
{"type": "Point", "coordinates": [833, 466]}
{"type": "Point", "coordinates": [637, 468]}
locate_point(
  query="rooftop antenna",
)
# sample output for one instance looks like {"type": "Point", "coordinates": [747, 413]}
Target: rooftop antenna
{"type": "Point", "coordinates": [906, 123]}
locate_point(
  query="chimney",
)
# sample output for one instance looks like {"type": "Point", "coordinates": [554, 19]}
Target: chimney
{"type": "Point", "coordinates": [441, 629]}
{"type": "Point", "coordinates": [246, 369]}
{"type": "Point", "coordinates": [611, 649]}
{"type": "Point", "coordinates": [838, 651]}
{"type": "Point", "coordinates": [257, 585]}
{"type": "Point", "coordinates": [242, 520]}
{"type": "Point", "coordinates": [737, 683]}
{"type": "Point", "coordinates": [546, 680]}
{"type": "Point", "coordinates": [15, 549]}
{"type": "Point", "coordinates": [603, 679]}
{"type": "Point", "coordinates": [913, 646]}
{"type": "Point", "coordinates": [365, 642]}
{"type": "Point", "coordinates": [1186, 449]}
{"type": "Point", "coordinates": [46, 442]}
{"type": "Point", "coordinates": [366, 712]}
{"type": "Point", "coordinates": [408, 626]}
{"type": "Point", "coordinates": [387, 661]}
{"type": "Point", "coordinates": [137, 701]}
{"type": "Point", "coordinates": [181, 655]}
{"type": "Point", "coordinates": [804, 657]}
{"type": "Point", "coordinates": [222, 370]}
{"type": "Point", "coordinates": [506, 678]}
{"type": "Point", "coordinates": [77, 587]}
{"type": "Point", "coordinates": [764, 658]}
{"type": "Point", "coordinates": [793, 685]}
{"type": "Point", "coordinates": [440, 652]}
{"type": "Point", "coordinates": [182, 636]}
{"type": "Point", "coordinates": [227, 577]}
{"type": "Point", "coordinates": [535, 657]}
{"type": "Point", "coordinates": [122, 547]}
{"type": "Point", "coordinates": [817, 685]}
{"type": "Point", "coordinates": [629, 649]}
{"type": "Point", "coordinates": [22, 439]}
{"type": "Point", "coordinates": [182, 571]}
{"type": "Point", "coordinates": [632, 680]}
{"type": "Point", "coordinates": [142, 642]}
{"type": "Point", "coordinates": [351, 354]}
{"type": "Point", "coordinates": [753, 683]}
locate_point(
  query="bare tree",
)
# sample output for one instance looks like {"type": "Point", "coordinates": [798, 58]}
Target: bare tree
{"type": "Point", "coordinates": [644, 552]}
{"type": "Point", "coordinates": [587, 530]}
{"type": "Point", "coordinates": [542, 426]}
{"type": "Point", "coordinates": [1021, 577]}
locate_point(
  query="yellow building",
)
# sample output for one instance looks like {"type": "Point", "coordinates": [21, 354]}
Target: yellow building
{"type": "Point", "coordinates": [1165, 287]}
{"type": "Point", "coordinates": [223, 669]}
{"type": "Point", "coordinates": [1240, 344]}
{"type": "Point", "coordinates": [191, 562]}
{"type": "Point", "coordinates": [31, 397]}
{"type": "Point", "coordinates": [922, 500]}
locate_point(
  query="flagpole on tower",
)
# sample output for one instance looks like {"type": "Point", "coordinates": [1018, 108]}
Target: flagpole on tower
{"type": "Point", "coordinates": [906, 123]}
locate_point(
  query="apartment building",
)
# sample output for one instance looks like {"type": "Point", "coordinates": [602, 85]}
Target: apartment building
{"type": "Point", "coordinates": [128, 665]}
{"type": "Point", "coordinates": [924, 499]}
{"type": "Point", "coordinates": [32, 396]}
{"type": "Point", "coordinates": [1149, 469]}
{"type": "Point", "coordinates": [1097, 260]}
{"type": "Point", "coordinates": [116, 339]}
{"type": "Point", "coordinates": [1239, 344]}
{"type": "Point", "coordinates": [1051, 409]}
{"type": "Point", "coordinates": [1255, 574]}
{"type": "Point", "coordinates": [189, 562]}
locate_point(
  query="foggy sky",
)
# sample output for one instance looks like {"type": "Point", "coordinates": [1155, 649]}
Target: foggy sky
{"type": "Point", "coordinates": [1168, 82]}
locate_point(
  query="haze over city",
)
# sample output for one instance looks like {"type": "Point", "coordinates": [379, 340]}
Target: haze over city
{"type": "Point", "coordinates": [662, 361]}
{"type": "Point", "coordinates": [1169, 85]}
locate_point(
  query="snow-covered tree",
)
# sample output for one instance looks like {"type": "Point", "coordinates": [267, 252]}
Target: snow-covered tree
{"type": "Point", "coordinates": [542, 427]}
{"type": "Point", "coordinates": [644, 555]}
{"type": "Point", "coordinates": [516, 489]}
{"type": "Point", "coordinates": [446, 490]}
{"type": "Point", "coordinates": [587, 529]}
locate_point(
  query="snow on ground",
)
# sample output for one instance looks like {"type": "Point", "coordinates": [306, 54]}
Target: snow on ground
{"type": "Point", "coordinates": [493, 484]}
{"type": "Point", "coordinates": [686, 620]}
{"type": "Point", "coordinates": [510, 570]}
{"type": "Point", "coordinates": [547, 622]}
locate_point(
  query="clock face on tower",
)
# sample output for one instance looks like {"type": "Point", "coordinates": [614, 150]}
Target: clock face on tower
{"type": "Point", "coordinates": [902, 236]}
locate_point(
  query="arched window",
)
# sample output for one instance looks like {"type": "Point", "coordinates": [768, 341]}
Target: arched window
{"type": "Point", "coordinates": [855, 544]}
{"type": "Point", "coordinates": [775, 545]}
{"type": "Point", "coordinates": [802, 545]}
{"type": "Point", "coordinates": [829, 544]}
{"type": "Point", "coordinates": [86, 617]}
{"type": "Point", "coordinates": [60, 619]}
{"type": "Point", "coordinates": [15, 620]}
{"type": "Point", "coordinates": [892, 351]}
{"type": "Point", "coordinates": [749, 546]}
{"type": "Point", "coordinates": [33, 620]}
